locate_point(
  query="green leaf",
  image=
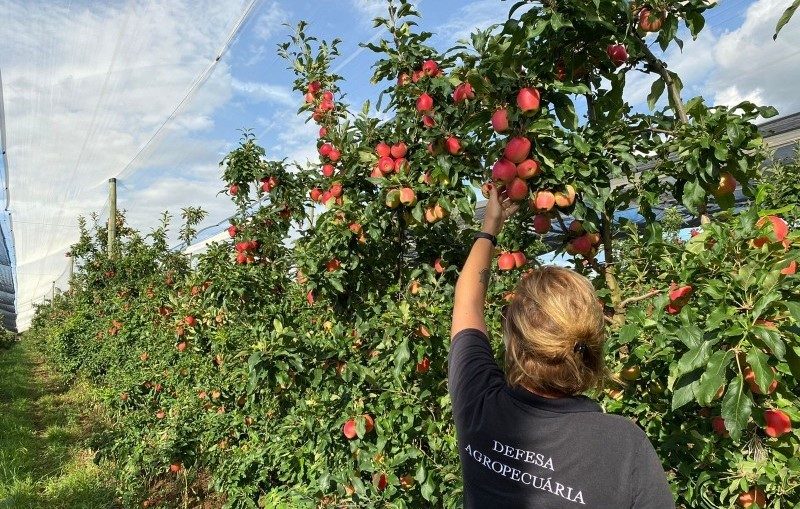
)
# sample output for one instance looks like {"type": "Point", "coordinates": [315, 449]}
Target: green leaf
{"type": "Point", "coordinates": [794, 310]}
{"type": "Point", "coordinates": [684, 391]}
{"type": "Point", "coordinates": [693, 196]}
{"type": "Point", "coordinates": [401, 357]}
{"type": "Point", "coordinates": [785, 17]}
{"type": "Point", "coordinates": [655, 93]}
{"type": "Point", "coordinates": [736, 407]}
{"type": "Point", "coordinates": [771, 338]}
{"type": "Point", "coordinates": [758, 362]}
{"type": "Point", "coordinates": [628, 332]}
{"type": "Point", "coordinates": [690, 335]}
{"type": "Point", "coordinates": [714, 376]}
{"type": "Point", "coordinates": [763, 303]}
{"type": "Point", "coordinates": [565, 111]}
{"type": "Point", "coordinates": [694, 358]}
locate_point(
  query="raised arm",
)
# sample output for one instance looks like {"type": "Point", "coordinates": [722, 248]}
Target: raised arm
{"type": "Point", "coordinates": [473, 280]}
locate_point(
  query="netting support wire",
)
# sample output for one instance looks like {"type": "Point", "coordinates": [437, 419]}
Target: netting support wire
{"type": "Point", "coordinates": [199, 81]}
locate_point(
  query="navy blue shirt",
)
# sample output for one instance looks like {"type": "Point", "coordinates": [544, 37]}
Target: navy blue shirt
{"type": "Point", "coordinates": [520, 450]}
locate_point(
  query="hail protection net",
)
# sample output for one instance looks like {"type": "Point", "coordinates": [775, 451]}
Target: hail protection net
{"type": "Point", "coordinates": [94, 90]}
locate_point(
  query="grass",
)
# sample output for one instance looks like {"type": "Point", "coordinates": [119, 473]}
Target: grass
{"type": "Point", "coordinates": [44, 427]}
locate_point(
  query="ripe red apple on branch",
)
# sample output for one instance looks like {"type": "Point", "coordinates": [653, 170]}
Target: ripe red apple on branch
{"type": "Point", "coordinates": [727, 185]}
{"type": "Point", "coordinates": [780, 230]}
{"type": "Point", "coordinates": [650, 21]}
{"type": "Point", "coordinates": [528, 100]}
{"type": "Point", "coordinates": [504, 170]}
{"type": "Point", "coordinates": [752, 496]}
{"type": "Point", "coordinates": [424, 103]}
{"type": "Point", "coordinates": [463, 92]}
{"type": "Point", "coordinates": [777, 423]}
{"type": "Point", "coordinates": [617, 53]}
{"type": "Point", "coordinates": [678, 297]}
{"type": "Point", "coordinates": [528, 169]}
{"type": "Point", "coordinates": [500, 120]}
{"type": "Point", "coordinates": [541, 223]}
{"type": "Point", "coordinates": [517, 149]}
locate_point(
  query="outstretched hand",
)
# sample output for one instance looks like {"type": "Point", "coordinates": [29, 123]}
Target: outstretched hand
{"type": "Point", "coordinates": [498, 209]}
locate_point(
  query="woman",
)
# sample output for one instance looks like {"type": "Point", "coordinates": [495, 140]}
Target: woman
{"type": "Point", "coordinates": [527, 437]}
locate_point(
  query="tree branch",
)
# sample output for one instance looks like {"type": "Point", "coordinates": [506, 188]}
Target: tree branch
{"type": "Point", "coordinates": [631, 300]}
{"type": "Point", "coordinates": [662, 71]}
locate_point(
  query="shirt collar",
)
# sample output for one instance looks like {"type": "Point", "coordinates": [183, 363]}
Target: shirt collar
{"type": "Point", "coordinates": [572, 404]}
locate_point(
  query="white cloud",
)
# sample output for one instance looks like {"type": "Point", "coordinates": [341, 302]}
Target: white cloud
{"type": "Point", "coordinates": [264, 91]}
{"type": "Point", "coordinates": [271, 20]}
{"type": "Point", "coordinates": [741, 64]}
{"type": "Point", "coordinates": [473, 16]}
{"type": "Point", "coordinates": [758, 67]}
{"type": "Point", "coordinates": [370, 9]}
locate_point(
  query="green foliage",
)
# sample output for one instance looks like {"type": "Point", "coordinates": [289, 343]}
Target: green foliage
{"type": "Point", "coordinates": [248, 365]}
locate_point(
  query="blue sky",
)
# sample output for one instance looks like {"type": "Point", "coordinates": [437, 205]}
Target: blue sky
{"type": "Point", "coordinates": [89, 88]}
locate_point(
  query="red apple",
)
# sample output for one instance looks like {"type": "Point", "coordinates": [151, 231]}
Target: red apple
{"type": "Point", "coordinates": [528, 168]}
{"type": "Point", "coordinates": [233, 231]}
{"type": "Point", "coordinates": [754, 496]}
{"type": "Point", "coordinates": [314, 87]}
{"type": "Point", "coordinates": [580, 245]}
{"type": "Point", "coordinates": [323, 132]}
{"type": "Point", "coordinates": [517, 149]}
{"type": "Point", "coordinates": [727, 185]}
{"type": "Point", "coordinates": [190, 320]}
{"type": "Point", "coordinates": [428, 121]}
{"type": "Point", "coordinates": [325, 149]}
{"type": "Point", "coordinates": [566, 198]}
{"type": "Point", "coordinates": [310, 298]}
{"type": "Point", "coordinates": [519, 259]}
{"type": "Point", "coordinates": [790, 269]}
{"type": "Point", "coordinates": [424, 103]}
{"type": "Point", "coordinates": [777, 423]}
{"type": "Point", "coordinates": [504, 170]}
{"type": "Point", "coordinates": [650, 21]}
{"type": "Point", "coordinates": [383, 150]}
{"type": "Point", "coordinates": [175, 467]}
{"type": "Point", "coordinates": [439, 265]}
{"type": "Point", "coordinates": [463, 92]}
{"type": "Point", "coordinates": [718, 424]}
{"type": "Point", "coordinates": [517, 190]}
{"type": "Point", "coordinates": [181, 346]}
{"type": "Point", "coordinates": [380, 481]}
{"type": "Point", "coordinates": [399, 150]}
{"type": "Point", "coordinates": [161, 414]}
{"type": "Point", "coordinates": [233, 190]}
{"type": "Point", "coordinates": [386, 165]}
{"type": "Point", "coordinates": [349, 429]}
{"type": "Point", "coordinates": [401, 165]}
{"type": "Point", "coordinates": [309, 98]}
{"type": "Point", "coordinates": [500, 120]}
{"type": "Point", "coordinates": [506, 261]}
{"type": "Point", "coordinates": [453, 145]}
{"type": "Point", "coordinates": [328, 170]}
{"type": "Point", "coordinates": [336, 189]}
{"type": "Point", "coordinates": [333, 265]}
{"type": "Point", "coordinates": [424, 365]}
{"type": "Point", "coordinates": [327, 96]}
{"type": "Point", "coordinates": [779, 227]}
{"type": "Point", "coordinates": [541, 223]}
{"type": "Point", "coordinates": [408, 197]}
{"type": "Point", "coordinates": [334, 155]}
{"type": "Point", "coordinates": [528, 100]}
{"type": "Point", "coordinates": [430, 68]}
{"type": "Point", "coordinates": [543, 201]}
{"type": "Point", "coordinates": [617, 53]}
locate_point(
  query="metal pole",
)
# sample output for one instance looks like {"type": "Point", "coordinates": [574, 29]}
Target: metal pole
{"type": "Point", "coordinates": [112, 216]}
{"type": "Point", "coordinates": [53, 295]}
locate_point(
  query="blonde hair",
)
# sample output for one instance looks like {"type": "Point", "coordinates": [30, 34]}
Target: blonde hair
{"type": "Point", "coordinates": [554, 333]}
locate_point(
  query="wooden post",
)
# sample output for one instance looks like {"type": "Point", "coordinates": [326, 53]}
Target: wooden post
{"type": "Point", "coordinates": [53, 295]}
{"type": "Point", "coordinates": [112, 216]}
{"type": "Point", "coordinates": [71, 272]}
